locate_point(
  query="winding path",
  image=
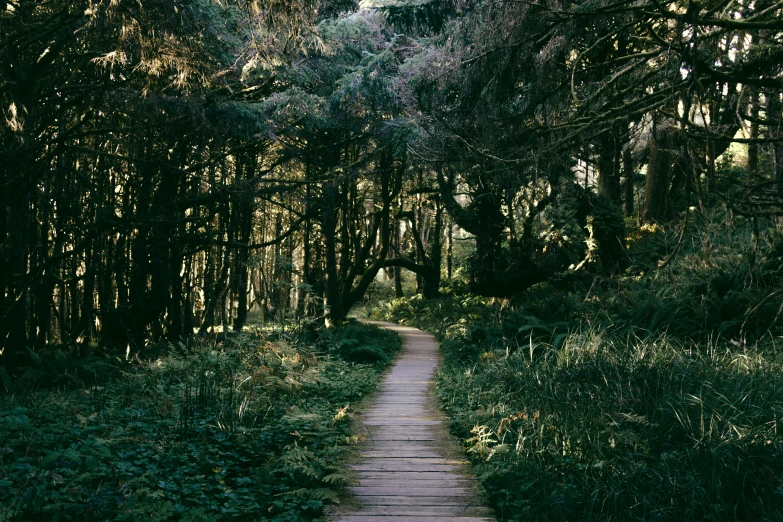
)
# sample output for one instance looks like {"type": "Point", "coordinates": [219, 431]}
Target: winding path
{"type": "Point", "coordinates": [410, 470]}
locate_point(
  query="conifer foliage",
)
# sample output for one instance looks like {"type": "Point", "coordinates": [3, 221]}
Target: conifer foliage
{"type": "Point", "coordinates": [169, 167]}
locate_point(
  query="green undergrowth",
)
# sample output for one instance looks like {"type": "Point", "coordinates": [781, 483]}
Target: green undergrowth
{"type": "Point", "coordinates": [652, 395]}
{"type": "Point", "coordinates": [246, 428]}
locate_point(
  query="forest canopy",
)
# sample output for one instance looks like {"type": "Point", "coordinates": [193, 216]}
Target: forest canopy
{"type": "Point", "coordinates": [167, 167]}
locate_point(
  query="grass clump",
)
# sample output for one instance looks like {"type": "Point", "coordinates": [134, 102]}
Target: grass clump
{"type": "Point", "coordinates": [247, 428]}
{"type": "Point", "coordinates": [636, 429]}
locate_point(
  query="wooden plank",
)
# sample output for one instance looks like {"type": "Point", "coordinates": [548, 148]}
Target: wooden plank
{"type": "Point", "coordinates": [408, 475]}
{"type": "Point", "coordinates": [402, 403]}
{"type": "Point", "coordinates": [424, 461]}
{"type": "Point", "coordinates": [400, 408]}
{"type": "Point", "coordinates": [397, 430]}
{"type": "Point", "coordinates": [404, 408]}
{"type": "Point", "coordinates": [440, 511]}
{"type": "Point", "coordinates": [401, 453]}
{"type": "Point", "coordinates": [415, 483]}
{"type": "Point", "coordinates": [401, 465]}
{"type": "Point", "coordinates": [401, 420]}
{"type": "Point", "coordinates": [410, 491]}
{"type": "Point", "coordinates": [390, 389]}
{"type": "Point", "coordinates": [404, 518]}
{"type": "Point", "coordinates": [398, 435]}
{"type": "Point", "coordinates": [417, 429]}
{"type": "Point", "coordinates": [402, 411]}
{"type": "Point", "coordinates": [463, 502]}
{"type": "Point", "coordinates": [399, 399]}
{"type": "Point", "coordinates": [389, 394]}
{"type": "Point", "coordinates": [392, 427]}
{"type": "Point", "coordinates": [405, 417]}
{"type": "Point", "coordinates": [402, 444]}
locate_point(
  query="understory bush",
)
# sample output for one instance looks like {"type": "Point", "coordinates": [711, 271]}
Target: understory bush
{"type": "Point", "coordinates": [245, 428]}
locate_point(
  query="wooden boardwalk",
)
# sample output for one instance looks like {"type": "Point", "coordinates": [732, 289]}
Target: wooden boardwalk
{"type": "Point", "coordinates": [407, 470]}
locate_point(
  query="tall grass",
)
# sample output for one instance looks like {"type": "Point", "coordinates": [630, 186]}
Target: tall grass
{"type": "Point", "coordinates": [627, 429]}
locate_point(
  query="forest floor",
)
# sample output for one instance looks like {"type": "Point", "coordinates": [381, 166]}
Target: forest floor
{"type": "Point", "coordinates": [240, 427]}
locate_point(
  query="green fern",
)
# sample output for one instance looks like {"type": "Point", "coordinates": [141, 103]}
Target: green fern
{"type": "Point", "coordinates": [317, 494]}
{"type": "Point", "coordinates": [335, 479]}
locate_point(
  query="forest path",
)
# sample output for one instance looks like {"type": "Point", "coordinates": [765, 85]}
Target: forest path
{"type": "Point", "coordinates": [410, 469]}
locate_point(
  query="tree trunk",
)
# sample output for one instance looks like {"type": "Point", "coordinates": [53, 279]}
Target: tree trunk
{"type": "Point", "coordinates": [484, 219]}
{"type": "Point", "coordinates": [241, 268]}
{"type": "Point", "coordinates": [630, 174]}
{"type": "Point", "coordinates": [775, 117]}
{"type": "Point", "coordinates": [656, 189]}
{"type": "Point", "coordinates": [753, 148]}
{"type": "Point", "coordinates": [306, 278]}
{"type": "Point", "coordinates": [397, 271]}
{"type": "Point", "coordinates": [609, 168]}
{"type": "Point", "coordinates": [335, 313]}
{"type": "Point", "coordinates": [431, 280]}
{"type": "Point", "coordinates": [88, 299]}
{"type": "Point", "coordinates": [135, 318]}
{"type": "Point", "coordinates": [243, 206]}
{"type": "Point", "coordinates": [16, 313]}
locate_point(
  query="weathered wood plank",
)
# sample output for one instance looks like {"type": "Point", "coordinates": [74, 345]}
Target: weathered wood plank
{"type": "Point", "coordinates": [407, 420]}
{"type": "Point", "coordinates": [407, 475]}
{"type": "Point", "coordinates": [419, 461]}
{"type": "Point", "coordinates": [400, 436]}
{"type": "Point", "coordinates": [439, 511]}
{"type": "Point", "coordinates": [401, 453]}
{"type": "Point", "coordinates": [436, 480]}
{"type": "Point", "coordinates": [401, 413]}
{"type": "Point", "coordinates": [404, 518]}
{"type": "Point", "coordinates": [402, 403]}
{"type": "Point", "coordinates": [463, 502]}
{"type": "Point", "coordinates": [378, 445]}
{"type": "Point", "coordinates": [409, 491]}
{"type": "Point", "coordinates": [402, 465]}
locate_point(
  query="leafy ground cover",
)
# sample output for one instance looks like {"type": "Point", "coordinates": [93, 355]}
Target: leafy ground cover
{"type": "Point", "coordinates": [248, 427]}
{"type": "Point", "coordinates": [653, 395]}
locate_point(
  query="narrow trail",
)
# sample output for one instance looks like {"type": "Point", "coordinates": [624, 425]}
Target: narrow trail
{"type": "Point", "coordinates": [410, 470]}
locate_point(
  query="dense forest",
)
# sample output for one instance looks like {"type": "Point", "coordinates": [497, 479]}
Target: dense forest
{"type": "Point", "coordinates": [167, 166]}
{"type": "Point", "coordinates": [580, 199]}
